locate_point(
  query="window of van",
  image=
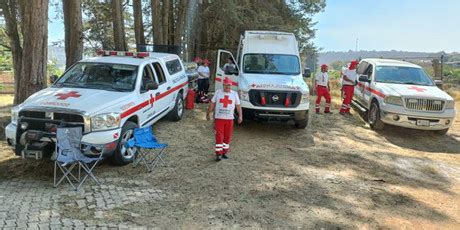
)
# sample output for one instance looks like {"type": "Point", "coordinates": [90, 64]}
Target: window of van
{"type": "Point", "coordinates": [173, 66]}
{"type": "Point", "coordinates": [271, 64]}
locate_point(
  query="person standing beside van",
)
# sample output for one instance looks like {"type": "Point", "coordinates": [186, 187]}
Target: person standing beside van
{"type": "Point", "coordinates": [348, 87]}
{"type": "Point", "coordinates": [230, 66]}
{"type": "Point", "coordinates": [203, 77]}
{"type": "Point", "coordinates": [322, 89]}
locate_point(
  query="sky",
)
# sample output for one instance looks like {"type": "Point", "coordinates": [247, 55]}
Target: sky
{"type": "Point", "coordinates": [408, 25]}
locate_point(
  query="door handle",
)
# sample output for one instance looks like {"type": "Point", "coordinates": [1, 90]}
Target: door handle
{"type": "Point", "coordinates": [169, 88]}
{"type": "Point", "coordinates": [157, 94]}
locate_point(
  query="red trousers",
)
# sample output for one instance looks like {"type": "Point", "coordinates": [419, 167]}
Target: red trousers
{"type": "Point", "coordinates": [348, 91]}
{"type": "Point", "coordinates": [224, 131]}
{"type": "Point", "coordinates": [322, 91]}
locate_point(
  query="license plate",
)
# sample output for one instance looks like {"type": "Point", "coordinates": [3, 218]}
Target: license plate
{"type": "Point", "coordinates": [423, 122]}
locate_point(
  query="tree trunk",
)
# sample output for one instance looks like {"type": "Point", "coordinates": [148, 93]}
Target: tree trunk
{"type": "Point", "coordinates": [138, 23]}
{"type": "Point", "coordinates": [118, 26]}
{"type": "Point", "coordinates": [181, 17]}
{"type": "Point", "coordinates": [34, 15]}
{"type": "Point", "coordinates": [10, 8]}
{"type": "Point", "coordinates": [73, 31]}
{"type": "Point", "coordinates": [165, 20]}
{"type": "Point", "coordinates": [156, 23]}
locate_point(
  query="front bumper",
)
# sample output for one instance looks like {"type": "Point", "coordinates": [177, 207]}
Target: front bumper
{"type": "Point", "coordinates": [300, 107]}
{"type": "Point", "coordinates": [410, 121]}
{"type": "Point", "coordinates": [94, 142]}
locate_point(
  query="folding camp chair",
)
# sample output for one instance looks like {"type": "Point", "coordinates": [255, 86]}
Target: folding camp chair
{"type": "Point", "coordinates": [70, 155]}
{"type": "Point", "coordinates": [149, 151]}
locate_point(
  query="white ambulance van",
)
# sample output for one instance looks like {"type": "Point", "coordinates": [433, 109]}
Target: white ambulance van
{"type": "Point", "coordinates": [268, 77]}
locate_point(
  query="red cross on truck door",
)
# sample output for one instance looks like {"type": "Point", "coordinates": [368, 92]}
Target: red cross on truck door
{"type": "Point", "coordinates": [226, 101]}
{"type": "Point", "coordinates": [64, 96]}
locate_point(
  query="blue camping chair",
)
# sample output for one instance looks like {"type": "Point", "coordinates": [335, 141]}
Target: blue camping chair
{"type": "Point", "coordinates": [70, 155]}
{"type": "Point", "coordinates": [149, 151]}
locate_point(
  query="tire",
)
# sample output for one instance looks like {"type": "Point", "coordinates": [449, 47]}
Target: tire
{"type": "Point", "coordinates": [123, 156]}
{"type": "Point", "coordinates": [441, 132]}
{"type": "Point", "coordinates": [301, 124]}
{"type": "Point", "coordinates": [374, 117]}
{"type": "Point", "coordinates": [178, 111]}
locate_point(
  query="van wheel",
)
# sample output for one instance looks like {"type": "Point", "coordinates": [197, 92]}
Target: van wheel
{"type": "Point", "coordinates": [178, 111]}
{"type": "Point", "coordinates": [123, 155]}
{"type": "Point", "coordinates": [374, 117]}
{"type": "Point", "coordinates": [301, 124]}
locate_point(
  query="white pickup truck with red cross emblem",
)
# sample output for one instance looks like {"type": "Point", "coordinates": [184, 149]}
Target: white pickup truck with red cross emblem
{"type": "Point", "coordinates": [108, 96]}
{"type": "Point", "coordinates": [402, 94]}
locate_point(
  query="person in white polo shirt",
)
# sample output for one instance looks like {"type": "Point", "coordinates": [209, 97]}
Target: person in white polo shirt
{"type": "Point", "coordinates": [223, 105]}
{"type": "Point", "coordinates": [322, 89]}
{"type": "Point", "coordinates": [348, 87]}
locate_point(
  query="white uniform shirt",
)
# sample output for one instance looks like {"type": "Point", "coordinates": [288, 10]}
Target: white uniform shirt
{"type": "Point", "coordinates": [322, 79]}
{"type": "Point", "coordinates": [204, 70]}
{"type": "Point", "coordinates": [225, 104]}
{"type": "Point", "coordinates": [351, 74]}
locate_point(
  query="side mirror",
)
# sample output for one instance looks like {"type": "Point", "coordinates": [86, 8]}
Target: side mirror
{"type": "Point", "coordinates": [438, 83]}
{"type": "Point", "coordinates": [232, 72]}
{"type": "Point", "coordinates": [364, 78]}
{"type": "Point", "coordinates": [151, 86]}
{"type": "Point", "coordinates": [306, 73]}
{"type": "Point", "coordinates": [53, 78]}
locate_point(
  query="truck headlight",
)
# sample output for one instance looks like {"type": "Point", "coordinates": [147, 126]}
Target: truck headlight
{"type": "Point", "coordinates": [394, 100]}
{"type": "Point", "coordinates": [450, 104]}
{"type": "Point", "coordinates": [244, 96]}
{"type": "Point", "coordinates": [305, 98]}
{"type": "Point", "coordinates": [14, 115]}
{"type": "Point", "coordinates": [105, 121]}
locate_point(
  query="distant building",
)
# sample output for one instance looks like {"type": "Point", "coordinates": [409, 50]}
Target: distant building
{"type": "Point", "coordinates": [453, 63]}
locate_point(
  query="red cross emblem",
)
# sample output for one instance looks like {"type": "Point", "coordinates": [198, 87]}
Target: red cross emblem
{"type": "Point", "coordinates": [152, 99]}
{"type": "Point", "coordinates": [417, 89]}
{"type": "Point", "coordinates": [225, 101]}
{"type": "Point", "coordinates": [63, 96]}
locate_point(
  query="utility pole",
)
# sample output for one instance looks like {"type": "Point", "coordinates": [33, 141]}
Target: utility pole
{"type": "Point", "coordinates": [442, 66]}
{"type": "Point", "coordinates": [356, 46]}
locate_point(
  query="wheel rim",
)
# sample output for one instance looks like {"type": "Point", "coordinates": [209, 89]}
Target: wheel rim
{"type": "Point", "coordinates": [373, 114]}
{"type": "Point", "coordinates": [180, 108]}
{"type": "Point", "coordinates": [127, 153]}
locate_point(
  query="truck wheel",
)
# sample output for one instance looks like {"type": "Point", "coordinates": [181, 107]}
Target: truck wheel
{"type": "Point", "coordinates": [301, 124]}
{"type": "Point", "coordinates": [441, 132]}
{"type": "Point", "coordinates": [122, 154]}
{"type": "Point", "coordinates": [178, 111]}
{"type": "Point", "coordinates": [374, 117]}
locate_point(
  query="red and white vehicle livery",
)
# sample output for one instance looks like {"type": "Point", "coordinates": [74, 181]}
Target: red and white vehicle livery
{"type": "Point", "coordinates": [108, 96]}
{"type": "Point", "coordinates": [402, 94]}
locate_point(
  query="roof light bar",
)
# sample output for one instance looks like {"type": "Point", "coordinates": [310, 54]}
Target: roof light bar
{"type": "Point", "coordinates": [122, 53]}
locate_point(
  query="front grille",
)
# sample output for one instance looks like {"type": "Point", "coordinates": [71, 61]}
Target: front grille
{"type": "Point", "coordinates": [421, 104]}
{"type": "Point", "coordinates": [39, 120]}
{"type": "Point", "coordinates": [274, 98]}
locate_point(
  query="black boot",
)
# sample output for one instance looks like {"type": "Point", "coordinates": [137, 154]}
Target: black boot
{"type": "Point", "coordinates": [224, 156]}
{"type": "Point", "coordinates": [217, 158]}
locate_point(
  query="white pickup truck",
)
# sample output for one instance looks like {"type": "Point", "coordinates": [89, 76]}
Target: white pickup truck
{"type": "Point", "coordinates": [108, 96]}
{"type": "Point", "coordinates": [268, 77]}
{"type": "Point", "coordinates": [402, 94]}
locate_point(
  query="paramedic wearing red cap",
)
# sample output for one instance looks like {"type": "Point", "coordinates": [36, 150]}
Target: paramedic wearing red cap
{"type": "Point", "coordinates": [322, 89]}
{"type": "Point", "coordinates": [348, 87]}
{"type": "Point", "coordinates": [224, 103]}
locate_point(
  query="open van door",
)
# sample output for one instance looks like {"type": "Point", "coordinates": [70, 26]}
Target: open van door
{"type": "Point", "coordinates": [232, 73]}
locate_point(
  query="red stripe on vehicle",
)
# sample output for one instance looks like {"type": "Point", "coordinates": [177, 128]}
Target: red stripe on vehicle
{"type": "Point", "coordinates": [150, 101]}
{"type": "Point", "coordinates": [373, 91]}
{"type": "Point", "coordinates": [218, 79]}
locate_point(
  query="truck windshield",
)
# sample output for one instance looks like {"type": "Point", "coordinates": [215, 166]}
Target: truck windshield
{"type": "Point", "coordinates": [402, 75]}
{"type": "Point", "coordinates": [271, 64]}
{"type": "Point", "coordinates": [105, 76]}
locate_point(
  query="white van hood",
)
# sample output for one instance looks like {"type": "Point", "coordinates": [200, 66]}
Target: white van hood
{"type": "Point", "coordinates": [273, 82]}
{"type": "Point", "coordinates": [415, 91]}
{"type": "Point", "coordinates": [88, 101]}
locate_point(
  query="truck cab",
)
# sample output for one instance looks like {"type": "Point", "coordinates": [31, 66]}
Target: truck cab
{"type": "Point", "coordinates": [108, 96]}
{"type": "Point", "coordinates": [402, 94]}
{"type": "Point", "coordinates": [268, 77]}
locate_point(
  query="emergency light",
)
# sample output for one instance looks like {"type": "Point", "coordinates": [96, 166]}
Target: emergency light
{"type": "Point", "coordinates": [122, 53]}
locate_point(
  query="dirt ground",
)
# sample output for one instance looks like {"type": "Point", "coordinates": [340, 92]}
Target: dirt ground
{"type": "Point", "coordinates": [337, 173]}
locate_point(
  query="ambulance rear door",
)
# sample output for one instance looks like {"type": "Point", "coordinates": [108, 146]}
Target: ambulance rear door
{"type": "Point", "coordinates": [222, 59]}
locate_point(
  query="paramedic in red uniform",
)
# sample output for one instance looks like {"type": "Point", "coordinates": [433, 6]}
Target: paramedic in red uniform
{"type": "Point", "coordinates": [322, 89]}
{"type": "Point", "coordinates": [224, 103]}
{"type": "Point", "coordinates": [348, 87]}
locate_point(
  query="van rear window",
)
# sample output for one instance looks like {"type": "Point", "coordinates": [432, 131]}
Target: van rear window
{"type": "Point", "coordinates": [271, 64]}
